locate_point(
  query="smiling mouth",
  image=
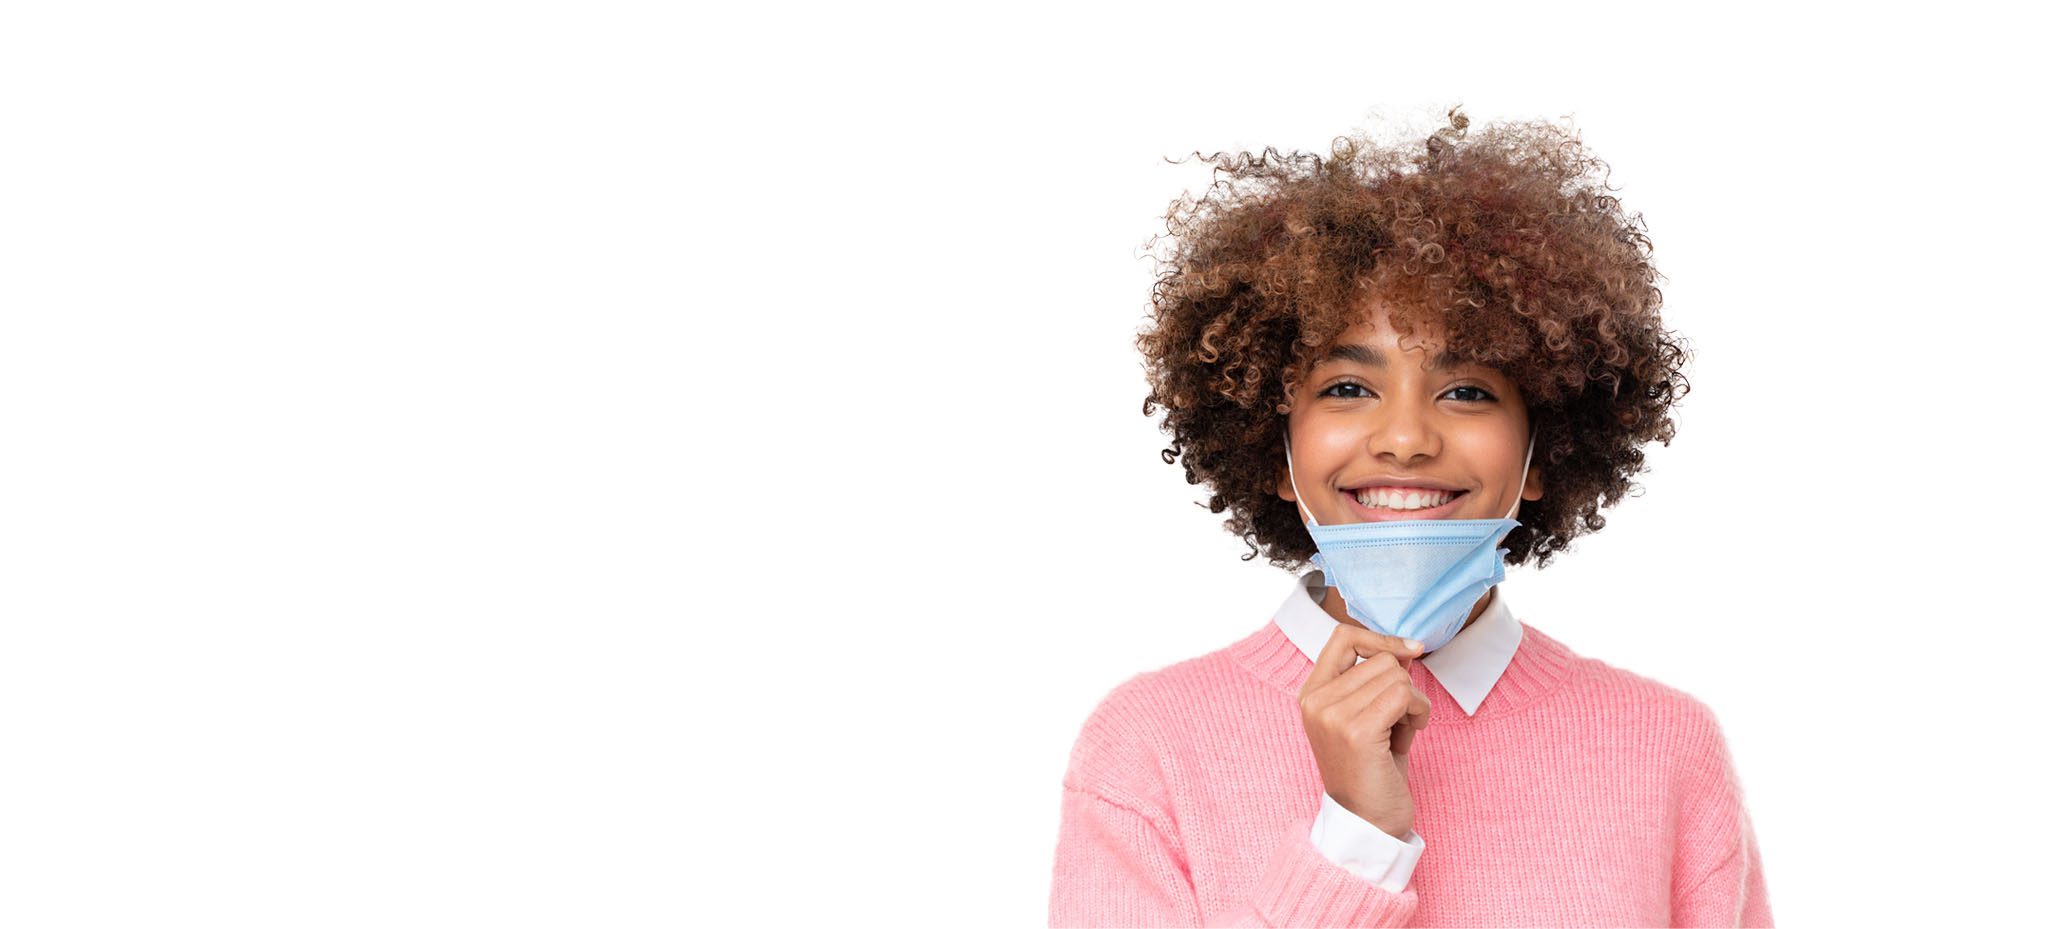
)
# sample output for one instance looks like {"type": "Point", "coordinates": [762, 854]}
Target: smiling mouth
{"type": "Point", "coordinates": [1406, 501]}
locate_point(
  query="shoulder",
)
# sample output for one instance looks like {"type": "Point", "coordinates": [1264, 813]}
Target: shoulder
{"type": "Point", "coordinates": [1643, 690]}
{"type": "Point", "coordinates": [1680, 737]}
{"type": "Point", "coordinates": [1616, 695]}
{"type": "Point", "coordinates": [1664, 719]}
{"type": "Point", "coordinates": [1121, 751]}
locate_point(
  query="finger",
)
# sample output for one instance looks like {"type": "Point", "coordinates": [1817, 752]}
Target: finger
{"type": "Point", "coordinates": [1348, 645]}
{"type": "Point", "coordinates": [1373, 705]}
{"type": "Point", "coordinates": [1416, 719]}
{"type": "Point", "coordinates": [1402, 737]}
{"type": "Point", "coordinates": [1366, 643]}
{"type": "Point", "coordinates": [1350, 681]}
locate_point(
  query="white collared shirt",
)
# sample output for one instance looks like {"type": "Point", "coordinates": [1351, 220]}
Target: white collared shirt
{"type": "Point", "coordinates": [1468, 666]}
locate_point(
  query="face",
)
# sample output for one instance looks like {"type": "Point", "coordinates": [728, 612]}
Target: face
{"type": "Point", "coordinates": [1381, 431]}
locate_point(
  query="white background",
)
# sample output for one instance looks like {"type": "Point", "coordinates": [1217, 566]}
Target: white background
{"type": "Point", "coordinates": [594, 464]}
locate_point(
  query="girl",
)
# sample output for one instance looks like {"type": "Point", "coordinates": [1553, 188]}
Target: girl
{"type": "Point", "coordinates": [1407, 366]}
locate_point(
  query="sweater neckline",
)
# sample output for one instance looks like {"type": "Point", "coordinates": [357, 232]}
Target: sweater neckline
{"type": "Point", "coordinates": [1540, 666]}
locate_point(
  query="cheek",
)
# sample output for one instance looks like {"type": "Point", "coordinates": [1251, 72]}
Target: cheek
{"type": "Point", "coordinates": [1492, 451]}
{"type": "Point", "coordinates": [1333, 438]}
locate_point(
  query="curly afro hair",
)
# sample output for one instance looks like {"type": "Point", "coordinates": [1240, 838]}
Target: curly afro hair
{"type": "Point", "coordinates": [1508, 239]}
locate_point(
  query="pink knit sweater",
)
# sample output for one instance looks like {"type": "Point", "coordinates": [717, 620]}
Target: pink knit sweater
{"type": "Point", "coordinates": [1579, 794]}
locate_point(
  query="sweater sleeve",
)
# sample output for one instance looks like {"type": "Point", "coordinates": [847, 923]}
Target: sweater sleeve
{"type": "Point", "coordinates": [1116, 866]}
{"type": "Point", "coordinates": [1718, 877]}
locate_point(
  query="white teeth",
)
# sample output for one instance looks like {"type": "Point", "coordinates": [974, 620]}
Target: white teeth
{"type": "Point", "coordinates": [1386, 499]}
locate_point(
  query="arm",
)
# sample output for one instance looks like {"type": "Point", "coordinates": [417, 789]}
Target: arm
{"type": "Point", "coordinates": [1116, 866]}
{"type": "Point", "coordinates": [1718, 878]}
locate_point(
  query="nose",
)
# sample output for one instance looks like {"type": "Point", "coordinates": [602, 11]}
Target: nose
{"type": "Point", "coordinates": [1404, 434]}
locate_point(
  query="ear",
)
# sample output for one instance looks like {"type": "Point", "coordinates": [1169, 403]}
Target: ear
{"type": "Point", "coordinates": [1285, 487]}
{"type": "Point", "coordinates": [1534, 490]}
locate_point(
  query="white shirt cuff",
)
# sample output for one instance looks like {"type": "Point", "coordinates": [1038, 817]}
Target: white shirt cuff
{"type": "Point", "coordinates": [1363, 848]}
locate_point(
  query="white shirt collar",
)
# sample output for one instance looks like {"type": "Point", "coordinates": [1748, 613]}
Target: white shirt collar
{"type": "Point", "coordinates": [1468, 666]}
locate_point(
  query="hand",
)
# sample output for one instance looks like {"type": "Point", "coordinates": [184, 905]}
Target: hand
{"type": "Point", "coordinates": [1361, 718]}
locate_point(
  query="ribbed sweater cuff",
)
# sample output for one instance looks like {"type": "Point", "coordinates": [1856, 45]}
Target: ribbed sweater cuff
{"type": "Point", "coordinates": [1303, 887]}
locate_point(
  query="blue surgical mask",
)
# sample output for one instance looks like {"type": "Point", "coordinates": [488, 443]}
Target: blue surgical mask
{"type": "Point", "coordinates": [1413, 578]}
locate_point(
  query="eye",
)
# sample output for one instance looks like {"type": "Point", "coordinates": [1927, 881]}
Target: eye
{"type": "Point", "coordinates": [1477, 394]}
{"type": "Point", "coordinates": [1332, 391]}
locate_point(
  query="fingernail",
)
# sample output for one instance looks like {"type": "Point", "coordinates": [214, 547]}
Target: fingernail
{"type": "Point", "coordinates": [1411, 643]}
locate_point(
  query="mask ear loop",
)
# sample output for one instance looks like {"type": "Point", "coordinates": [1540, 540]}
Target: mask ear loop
{"type": "Point", "coordinates": [1527, 457]}
{"type": "Point", "coordinates": [1287, 444]}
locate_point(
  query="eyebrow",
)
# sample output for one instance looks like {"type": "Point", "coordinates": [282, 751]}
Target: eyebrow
{"type": "Point", "coordinates": [1370, 357]}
